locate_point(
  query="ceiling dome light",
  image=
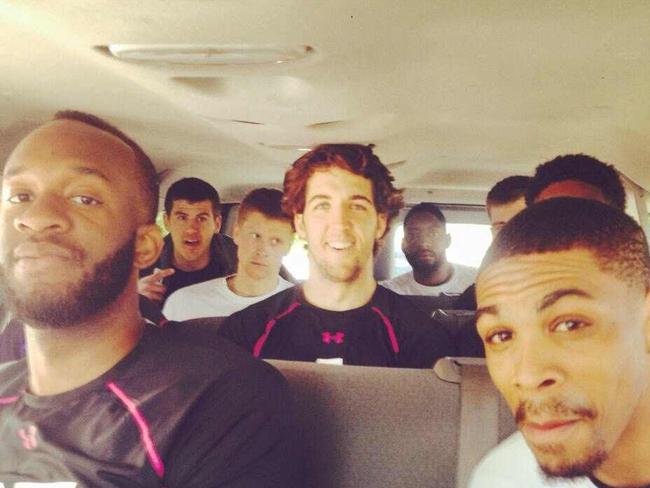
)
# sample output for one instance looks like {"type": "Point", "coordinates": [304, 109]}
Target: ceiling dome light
{"type": "Point", "coordinates": [208, 55]}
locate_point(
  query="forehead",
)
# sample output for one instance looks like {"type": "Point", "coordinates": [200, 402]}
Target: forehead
{"type": "Point", "coordinates": [62, 145]}
{"type": "Point", "coordinates": [422, 219]}
{"type": "Point", "coordinates": [505, 211]}
{"type": "Point", "coordinates": [513, 281]}
{"type": "Point", "coordinates": [254, 220]}
{"type": "Point", "coordinates": [338, 182]}
{"type": "Point", "coordinates": [572, 188]}
{"type": "Point", "coordinates": [192, 208]}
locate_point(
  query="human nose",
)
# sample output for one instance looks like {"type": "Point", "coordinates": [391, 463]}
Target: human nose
{"type": "Point", "coordinates": [44, 214]}
{"type": "Point", "coordinates": [339, 215]}
{"type": "Point", "coordinates": [535, 368]}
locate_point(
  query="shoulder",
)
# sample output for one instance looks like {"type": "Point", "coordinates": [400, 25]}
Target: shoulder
{"type": "Point", "coordinates": [197, 289]}
{"type": "Point", "coordinates": [465, 271]}
{"type": "Point", "coordinates": [398, 281]}
{"type": "Point", "coordinates": [200, 353]}
{"type": "Point", "coordinates": [511, 464]}
{"type": "Point", "coordinates": [269, 307]}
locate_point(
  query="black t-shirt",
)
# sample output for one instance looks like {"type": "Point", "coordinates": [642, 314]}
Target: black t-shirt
{"type": "Point", "coordinates": [171, 413]}
{"type": "Point", "coordinates": [387, 331]}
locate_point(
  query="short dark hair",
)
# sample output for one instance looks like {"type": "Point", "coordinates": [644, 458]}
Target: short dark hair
{"type": "Point", "coordinates": [560, 224]}
{"type": "Point", "coordinates": [426, 208]}
{"type": "Point", "coordinates": [356, 158]}
{"type": "Point", "coordinates": [149, 177]}
{"type": "Point", "coordinates": [267, 201]}
{"type": "Point", "coordinates": [193, 190]}
{"type": "Point", "coordinates": [582, 168]}
{"type": "Point", "coordinates": [508, 190]}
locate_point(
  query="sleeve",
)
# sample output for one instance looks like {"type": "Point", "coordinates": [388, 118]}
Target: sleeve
{"type": "Point", "coordinates": [424, 342]}
{"type": "Point", "coordinates": [241, 433]}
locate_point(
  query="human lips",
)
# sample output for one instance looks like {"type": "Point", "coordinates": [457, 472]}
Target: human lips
{"type": "Point", "coordinates": [548, 430]}
{"type": "Point", "coordinates": [43, 250]}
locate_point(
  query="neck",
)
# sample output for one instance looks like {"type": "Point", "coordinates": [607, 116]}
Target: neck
{"type": "Point", "coordinates": [63, 359]}
{"type": "Point", "coordinates": [339, 296]}
{"type": "Point", "coordinates": [628, 463]}
{"type": "Point", "coordinates": [245, 286]}
{"type": "Point", "coordinates": [194, 265]}
{"type": "Point", "coordinates": [433, 278]}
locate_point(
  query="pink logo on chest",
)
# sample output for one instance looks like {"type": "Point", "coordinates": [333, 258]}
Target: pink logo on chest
{"type": "Point", "coordinates": [28, 436]}
{"type": "Point", "coordinates": [336, 338]}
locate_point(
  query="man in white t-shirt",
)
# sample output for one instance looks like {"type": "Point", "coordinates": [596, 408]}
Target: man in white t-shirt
{"type": "Point", "coordinates": [425, 246]}
{"type": "Point", "coordinates": [564, 313]}
{"type": "Point", "coordinates": [263, 234]}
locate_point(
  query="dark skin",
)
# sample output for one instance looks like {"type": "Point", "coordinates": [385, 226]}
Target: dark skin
{"type": "Point", "coordinates": [64, 187]}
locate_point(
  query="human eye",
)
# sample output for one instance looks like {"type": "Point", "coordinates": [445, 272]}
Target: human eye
{"type": "Point", "coordinates": [202, 218]}
{"type": "Point", "coordinates": [568, 325]}
{"type": "Point", "coordinates": [181, 217]}
{"type": "Point", "coordinates": [85, 200]}
{"type": "Point", "coordinates": [498, 337]}
{"type": "Point", "coordinates": [275, 241]}
{"type": "Point", "coordinates": [19, 197]}
{"type": "Point", "coordinates": [324, 205]}
{"type": "Point", "coordinates": [359, 206]}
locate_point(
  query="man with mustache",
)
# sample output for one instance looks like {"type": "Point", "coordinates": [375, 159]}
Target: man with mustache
{"type": "Point", "coordinates": [564, 313]}
{"type": "Point", "coordinates": [103, 399]}
{"type": "Point", "coordinates": [425, 246]}
{"type": "Point", "coordinates": [341, 198]}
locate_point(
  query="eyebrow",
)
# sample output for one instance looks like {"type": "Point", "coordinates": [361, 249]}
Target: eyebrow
{"type": "Point", "coordinates": [553, 297]}
{"type": "Point", "coordinates": [547, 301]}
{"type": "Point", "coordinates": [82, 170]}
{"type": "Point", "coordinates": [491, 310]}
{"type": "Point", "coordinates": [353, 197]}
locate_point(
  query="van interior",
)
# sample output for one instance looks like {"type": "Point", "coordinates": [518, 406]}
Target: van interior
{"type": "Point", "coordinates": [455, 96]}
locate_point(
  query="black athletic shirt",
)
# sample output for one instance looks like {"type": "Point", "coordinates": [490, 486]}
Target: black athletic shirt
{"type": "Point", "coordinates": [169, 414]}
{"type": "Point", "coordinates": [387, 331]}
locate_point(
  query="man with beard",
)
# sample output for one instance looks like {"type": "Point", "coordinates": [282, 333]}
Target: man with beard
{"type": "Point", "coordinates": [564, 312]}
{"type": "Point", "coordinates": [342, 199]}
{"type": "Point", "coordinates": [97, 401]}
{"type": "Point", "coordinates": [425, 246]}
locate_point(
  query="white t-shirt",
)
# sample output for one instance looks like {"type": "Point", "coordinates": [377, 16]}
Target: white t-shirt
{"type": "Point", "coordinates": [211, 298]}
{"type": "Point", "coordinates": [513, 465]}
{"type": "Point", "coordinates": [461, 278]}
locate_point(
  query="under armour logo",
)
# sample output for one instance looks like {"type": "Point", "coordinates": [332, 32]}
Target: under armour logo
{"type": "Point", "coordinates": [337, 338]}
{"type": "Point", "coordinates": [28, 436]}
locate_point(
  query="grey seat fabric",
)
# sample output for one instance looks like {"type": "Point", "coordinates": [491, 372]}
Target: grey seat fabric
{"type": "Point", "coordinates": [375, 427]}
{"type": "Point", "coordinates": [383, 427]}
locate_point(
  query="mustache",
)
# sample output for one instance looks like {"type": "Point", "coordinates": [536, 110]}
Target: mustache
{"type": "Point", "coordinates": [76, 252]}
{"type": "Point", "coordinates": [554, 407]}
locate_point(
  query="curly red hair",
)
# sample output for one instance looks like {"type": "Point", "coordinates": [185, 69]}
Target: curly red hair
{"type": "Point", "coordinates": [355, 158]}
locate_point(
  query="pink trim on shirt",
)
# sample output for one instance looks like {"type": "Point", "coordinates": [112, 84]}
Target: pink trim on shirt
{"type": "Point", "coordinates": [257, 349]}
{"type": "Point", "coordinates": [143, 426]}
{"type": "Point", "coordinates": [389, 328]}
{"type": "Point", "coordinates": [9, 400]}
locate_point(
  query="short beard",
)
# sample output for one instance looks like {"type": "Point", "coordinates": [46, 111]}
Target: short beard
{"type": "Point", "coordinates": [568, 468]}
{"type": "Point", "coordinates": [424, 267]}
{"type": "Point", "coordinates": [78, 302]}
{"type": "Point", "coordinates": [336, 274]}
{"type": "Point", "coordinates": [576, 469]}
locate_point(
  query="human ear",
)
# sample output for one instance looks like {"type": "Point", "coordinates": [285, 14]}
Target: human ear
{"type": "Point", "coordinates": [217, 224]}
{"type": "Point", "coordinates": [148, 245]}
{"type": "Point", "coordinates": [382, 225]}
{"type": "Point", "coordinates": [299, 225]}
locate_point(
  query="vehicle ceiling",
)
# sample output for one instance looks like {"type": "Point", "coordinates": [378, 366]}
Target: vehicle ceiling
{"type": "Point", "coordinates": [455, 95]}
